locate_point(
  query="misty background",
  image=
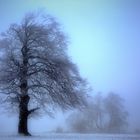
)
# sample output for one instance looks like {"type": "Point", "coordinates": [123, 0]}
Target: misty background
{"type": "Point", "coordinates": [104, 43]}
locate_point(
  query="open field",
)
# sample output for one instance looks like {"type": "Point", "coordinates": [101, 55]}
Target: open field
{"type": "Point", "coordinates": [72, 137]}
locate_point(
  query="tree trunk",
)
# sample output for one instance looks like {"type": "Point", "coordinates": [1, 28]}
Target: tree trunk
{"type": "Point", "coordinates": [24, 98]}
{"type": "Point", "coordinates": [23, 116]}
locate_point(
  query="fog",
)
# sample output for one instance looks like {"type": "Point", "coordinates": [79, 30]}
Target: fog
{"type": "Point", "coordinates": [104, 43]}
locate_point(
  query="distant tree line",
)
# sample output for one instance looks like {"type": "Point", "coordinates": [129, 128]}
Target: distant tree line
{"type": "Point", "coordinates": [102, 115]}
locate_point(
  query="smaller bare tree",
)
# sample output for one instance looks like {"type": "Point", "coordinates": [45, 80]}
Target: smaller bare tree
{"type": "Point", "coordinates": [117, 115]}
{"type": "Point", "coordinates": [102, 115]}
{"type": "Point", "coordinates": [90, 119]}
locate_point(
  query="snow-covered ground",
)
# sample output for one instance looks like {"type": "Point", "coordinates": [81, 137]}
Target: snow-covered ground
{"type": "Point", "coordinates": [72, 137]}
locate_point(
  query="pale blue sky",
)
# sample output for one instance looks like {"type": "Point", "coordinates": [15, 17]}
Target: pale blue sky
{"type": "Point", "coordinates": [104, 36]}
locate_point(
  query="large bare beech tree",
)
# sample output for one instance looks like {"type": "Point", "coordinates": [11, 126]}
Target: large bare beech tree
{"type": "Point", "coordinates": [35, 71]}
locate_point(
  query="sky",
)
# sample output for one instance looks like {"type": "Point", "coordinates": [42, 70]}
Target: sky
{"type": "Point", "coordinates": [104, 41]}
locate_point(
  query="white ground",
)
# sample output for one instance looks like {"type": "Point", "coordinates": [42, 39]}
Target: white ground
{"type": "Point", "coordinates": [72, 137]}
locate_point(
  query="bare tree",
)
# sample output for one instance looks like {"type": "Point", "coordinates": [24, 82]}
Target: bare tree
{"type": "Point", "coordinates": [35, 71]}
{"type": "Point", "coordinates": [117, 115]}
{"type": "Point", "coordinates": [102, 115]}
{"type": "Point", "coordinates": [90, 119]}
